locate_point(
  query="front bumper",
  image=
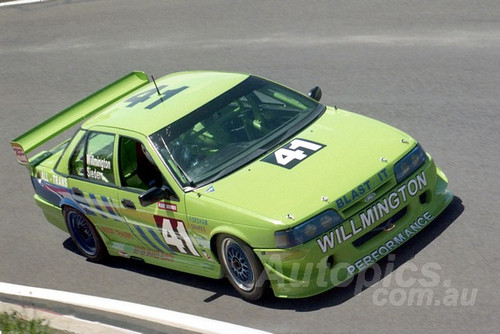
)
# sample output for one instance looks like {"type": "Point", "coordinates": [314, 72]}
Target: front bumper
{"type": "Point", "coordinates": [338, 255]}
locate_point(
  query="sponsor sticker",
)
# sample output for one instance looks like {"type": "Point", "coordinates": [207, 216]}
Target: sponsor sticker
{"type": "Point", "coordinates": [167, 206]}
{"type": "Point", "coordinates": [373, 214]}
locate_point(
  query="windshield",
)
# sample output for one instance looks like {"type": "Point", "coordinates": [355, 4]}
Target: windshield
{"type": "Point", "coordinates": [232, 130]}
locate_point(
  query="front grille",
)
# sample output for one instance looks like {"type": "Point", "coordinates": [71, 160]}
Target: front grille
{"type": "Point", "coordinates": [379, 229]}
{"type": "Point", "coordinates": [380, 189]}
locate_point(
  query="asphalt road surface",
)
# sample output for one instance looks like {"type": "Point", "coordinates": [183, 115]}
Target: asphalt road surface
{"type": "Point", "coordinates": [431, 68]}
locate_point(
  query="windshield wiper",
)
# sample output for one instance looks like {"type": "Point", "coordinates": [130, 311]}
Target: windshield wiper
{"type": "Point", "coordinates": [237, 165]}
{"type": "Point", "coordinates": [275, 142]}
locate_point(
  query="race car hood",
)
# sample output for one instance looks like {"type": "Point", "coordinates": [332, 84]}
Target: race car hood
{"type": "Point", "coordinates": [342, 152]}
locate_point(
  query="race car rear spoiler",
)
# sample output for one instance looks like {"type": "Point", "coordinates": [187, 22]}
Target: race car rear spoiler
{"type": "Point", "coordinates": [65, 119]}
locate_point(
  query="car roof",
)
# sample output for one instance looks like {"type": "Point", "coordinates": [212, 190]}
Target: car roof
{"type": "Point", "coordinates": [144, 111]}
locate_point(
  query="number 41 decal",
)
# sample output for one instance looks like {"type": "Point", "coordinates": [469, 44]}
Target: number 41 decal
{"type": "Point", "coordinates": [293, 153]}
{"type": "Point", "coordinates": [145, 96]}
{"type": "Point", "coordinates": [175, 235]}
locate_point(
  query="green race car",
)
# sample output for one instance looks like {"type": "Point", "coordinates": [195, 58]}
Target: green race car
{"type": "Point", "coordinates": [227, 174]}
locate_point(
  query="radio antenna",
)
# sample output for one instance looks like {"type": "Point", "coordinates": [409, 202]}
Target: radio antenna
{"type": "Point", "coordinates": [153, 78]}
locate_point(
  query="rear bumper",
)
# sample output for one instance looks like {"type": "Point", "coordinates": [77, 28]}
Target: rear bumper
{"type": "Point", "coordinates": [52, 213]}
{"type": "Point", "coordinates": [312, 268]}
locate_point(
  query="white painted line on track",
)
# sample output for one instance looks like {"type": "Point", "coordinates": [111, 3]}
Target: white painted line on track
{"type": "Point", "coordinates": [18, 2]}
{"type": "Point", "coordinates": [153, 314]}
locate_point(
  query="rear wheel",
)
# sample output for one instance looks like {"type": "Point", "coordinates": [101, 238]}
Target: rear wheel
{"type": "Point", "coordinates": [243, 269]}
{"type": "Point", "coordinates": [84, 235]}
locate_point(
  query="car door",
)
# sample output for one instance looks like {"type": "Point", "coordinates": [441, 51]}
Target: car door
{"type": "Point", "coordinates": [159, 228]}
{"type": "Point", "coordinates": [92, 181]}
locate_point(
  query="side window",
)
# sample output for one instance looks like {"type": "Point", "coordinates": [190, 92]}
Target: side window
{"type": "Point", "coordinates": [93, 158]}
{"type": "Point", "coordinates": [77, 161]}
{"type": "Point", "coordinates": [137, 168]}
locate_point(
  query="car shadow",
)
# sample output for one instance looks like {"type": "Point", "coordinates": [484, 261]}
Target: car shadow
{"type": "Point", "coordinates": [218, 287]}
{"type": "Point", "coordinates": [333, 297]}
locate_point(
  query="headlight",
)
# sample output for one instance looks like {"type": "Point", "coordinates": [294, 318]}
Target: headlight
{"type": "Point", "coordinates": [410, 163]}
{"type": "Point", "coordinates": [307, 230]}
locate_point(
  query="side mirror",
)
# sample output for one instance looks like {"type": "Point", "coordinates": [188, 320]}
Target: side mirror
{"type": "Point", "coordinates": [154, 195]}
{"type": "Point", "coordinates": [315, 93]}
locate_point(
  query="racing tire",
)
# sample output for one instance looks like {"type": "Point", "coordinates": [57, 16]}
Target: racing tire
{"type": "Point", "coordinates": [242, 267]}
{"type": "Point", "coordinates": [84, 235]}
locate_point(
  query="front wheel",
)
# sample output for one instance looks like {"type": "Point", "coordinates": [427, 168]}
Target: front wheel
{"type": "Point", "coordinates": [84, 235]}
{"type": "Point", "coordinates": [243, 269]}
